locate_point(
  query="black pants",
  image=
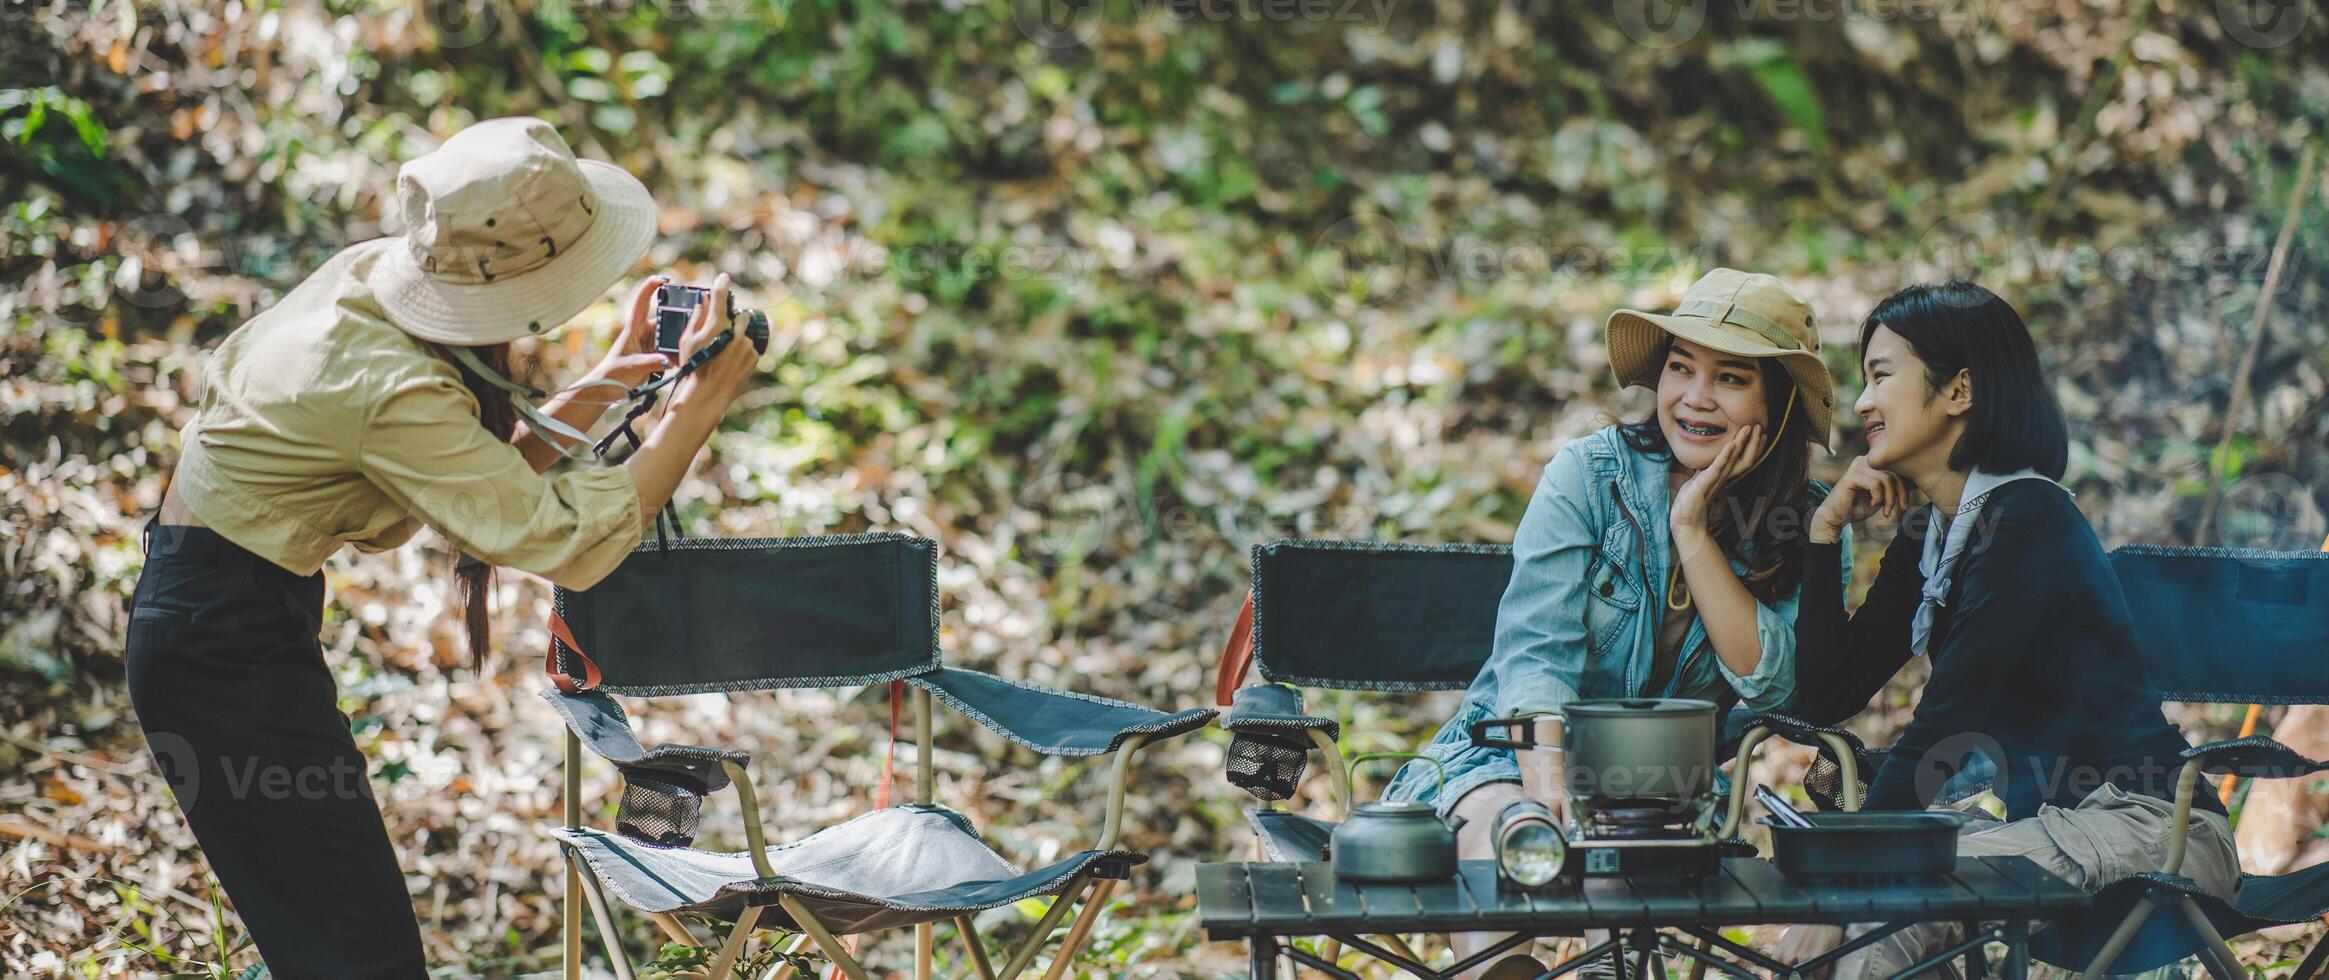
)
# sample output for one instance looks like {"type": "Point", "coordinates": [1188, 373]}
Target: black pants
{"type": "Point", "coordinates": [243, 719]}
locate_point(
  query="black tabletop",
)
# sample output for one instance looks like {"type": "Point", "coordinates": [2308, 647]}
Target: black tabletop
{"type": "Point", "coordinates": [1247, 900]}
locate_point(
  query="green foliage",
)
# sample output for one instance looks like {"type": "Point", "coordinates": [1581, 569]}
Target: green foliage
{"type": "Point", "coordinates": [1103, 283]}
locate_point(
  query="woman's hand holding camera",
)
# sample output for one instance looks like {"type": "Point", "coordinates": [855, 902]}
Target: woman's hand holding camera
{"type": "Point", "coordinates": [697, 401]}
{"type": "Point", "coordinates": [719, 380]}
{"type": "Point", "coordinates": [633, 357]}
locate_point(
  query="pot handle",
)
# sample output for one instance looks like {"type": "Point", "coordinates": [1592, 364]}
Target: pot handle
{"type": "Point", "coordinates": [1481, 738]}
{"type": "Point", "coordinates": [1437, 768]}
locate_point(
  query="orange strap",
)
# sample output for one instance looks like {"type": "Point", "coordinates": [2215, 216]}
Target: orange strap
{"type": "Point", "coordinates": [1236, 655]}
{"type": "Point", "coordinates": [566, 684]}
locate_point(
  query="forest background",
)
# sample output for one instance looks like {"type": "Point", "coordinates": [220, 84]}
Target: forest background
{"type": "Point", "coordinates": [1097, 296]}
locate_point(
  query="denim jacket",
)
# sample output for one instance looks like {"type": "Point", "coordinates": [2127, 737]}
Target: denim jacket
{"type": "Point", "coordinates": [1580, 617]}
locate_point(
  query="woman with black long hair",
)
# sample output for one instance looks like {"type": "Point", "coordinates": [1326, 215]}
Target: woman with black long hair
{"type": "Point", "coordinates": [2002, 585]}
{"type": "Point", "coordinates": [372, 399]}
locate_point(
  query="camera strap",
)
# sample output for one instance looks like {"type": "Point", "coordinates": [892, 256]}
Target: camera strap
{"type": "Point", "coordinates": [542, 424]}
{"type": "Point", "coordinates": [546, 427]}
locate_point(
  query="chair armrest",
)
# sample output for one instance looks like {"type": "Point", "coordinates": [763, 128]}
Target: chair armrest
{"type": "Point", "coordinates": [600, 724]}
{"type": "Point", "coordinates": [1802, 732]}
{"type": "Point", "coordinates": [1275, 709]}
{"type": "Point", "coordinates": [2254, 757]}
{"type": "Point", "coordinates": [1837, 780]}
{"type": "Point", "coordinates": [1059, 723]}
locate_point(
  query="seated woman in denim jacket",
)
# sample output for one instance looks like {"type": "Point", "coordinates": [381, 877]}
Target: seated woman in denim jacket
{"type": "Point", "coordinates": [1659, 558]}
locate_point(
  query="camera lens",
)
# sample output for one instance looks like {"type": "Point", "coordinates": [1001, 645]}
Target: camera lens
{"type": "Point", "coordinates": [1531, 854]}
{"type": "Point", "coordinates": [1530, 850]}
{"type": "Point", "coordinates": [756, 328]}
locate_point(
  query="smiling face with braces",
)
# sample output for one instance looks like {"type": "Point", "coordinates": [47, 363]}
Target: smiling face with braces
{"type": "Point", "coordinates": [1704, 398]}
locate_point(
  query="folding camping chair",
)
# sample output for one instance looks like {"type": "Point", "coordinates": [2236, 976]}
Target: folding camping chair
{"type": "Point", "coordinates": [730, 615]}
{"type": "Point", "coordinates": [1390, 617]}
{"type": "Point", "coordinates": [2222, 626]}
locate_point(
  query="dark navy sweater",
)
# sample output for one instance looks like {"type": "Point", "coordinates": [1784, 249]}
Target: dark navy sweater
{"type": "Point", "coordinates": [2034, 661]}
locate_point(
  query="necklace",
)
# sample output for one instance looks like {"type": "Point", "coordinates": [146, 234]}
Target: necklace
{"type": "Point", "coordinates": [1676, 586]}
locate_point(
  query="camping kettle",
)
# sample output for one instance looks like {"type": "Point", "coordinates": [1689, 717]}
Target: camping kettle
{"type": "Point", "coordinates": [1394, 841]}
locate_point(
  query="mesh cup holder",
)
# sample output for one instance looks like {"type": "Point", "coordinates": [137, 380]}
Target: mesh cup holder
{"type": "Point", "coordinates": [659, 810]}
{"type": "Point", "coordinates": [1824, 782]}
{"type": "Point", "coordinates": [1267, 765]}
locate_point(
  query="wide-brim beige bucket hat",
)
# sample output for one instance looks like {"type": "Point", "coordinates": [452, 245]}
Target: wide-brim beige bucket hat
{"type": "Point", "coordinates": [1744, 313]}
{"type": "Point", "coordinates": [507, 235]}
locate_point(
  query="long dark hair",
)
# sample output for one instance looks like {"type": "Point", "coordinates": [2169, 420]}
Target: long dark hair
{"type": "Point", "coordinates": [1957, 326]}
{"type": "Point", "coordinates": [1762, 515]}
{"type": "Point", "coordinates": [473, 579]}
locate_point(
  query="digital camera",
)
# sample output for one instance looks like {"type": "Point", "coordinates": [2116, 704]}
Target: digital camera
{"type": "Point", "coordinates": [675, 303]}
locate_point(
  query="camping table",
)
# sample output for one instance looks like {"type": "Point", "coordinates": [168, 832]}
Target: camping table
{"type": "Point", "coordinates": [1266, 903]}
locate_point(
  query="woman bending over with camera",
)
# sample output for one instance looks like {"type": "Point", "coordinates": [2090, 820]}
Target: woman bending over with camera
{"type": "Point", "coordinates": [373, 399]}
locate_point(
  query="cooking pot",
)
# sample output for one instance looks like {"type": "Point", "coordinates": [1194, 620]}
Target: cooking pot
{"type": "Point", "coordinates": [1394, 841]}
{"type": "Point", "coordinates": [1624, 753]}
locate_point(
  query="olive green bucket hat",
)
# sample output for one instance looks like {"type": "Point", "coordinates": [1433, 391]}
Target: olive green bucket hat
{"type": "Point", "coordinates": [1744, 313]}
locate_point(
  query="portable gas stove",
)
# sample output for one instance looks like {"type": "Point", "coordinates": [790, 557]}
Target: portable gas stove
{"type": "Point", "coordinates": [1658, 839]}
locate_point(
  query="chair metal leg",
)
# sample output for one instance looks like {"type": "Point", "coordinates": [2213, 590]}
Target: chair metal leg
{"type": "Point", "coordinates": [977, 947]}
{"type": "Point", "coordinates": [1737, 807]}
{"type": "Point", "coordinates": [838, 953]}
{"type": "Point", "coordinates": [2311, 967]}
{"type": "Point", "coordinates": [2222, 962]}
{"type": "Point", "coordinates": [572, 926]}
{"type": "Point", "coordinates": [1094, 904]}
{"type": "Point", "coordinates": [925, 773]}
{"type": "Point", "coordinates": [1331, 756]}
{"type": "Point", "coordinates": [675, 929]}
{"type": "Point", "coordinates": [606, 928]}
{"type": "Point", "coordinates": [2120, 937]}
{"type": "Point", "coordinates": [734, 947]}
{"type": "Point", "coordinates": [1027, 950]}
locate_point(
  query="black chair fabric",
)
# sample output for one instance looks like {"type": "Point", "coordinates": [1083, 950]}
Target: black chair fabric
{"type": "Point", "coordinates": [1060, 723]}
{"type": "Point", "coordinates": [717, 614]}
{"type": "Point", "coordinates": [1376, 615]}
{"type": "Point", "coordinates": [1273, 707]}
{"type": "Point", "coordinates": [2255, 757]}
{"type": "Point", "coordinates": [893, 867]}
{"type": "Point", "coordinates": [2229, 625]}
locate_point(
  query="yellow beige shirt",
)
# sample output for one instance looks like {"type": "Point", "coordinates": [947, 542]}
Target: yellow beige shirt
{"type": "Point", "coordinates": [322, 424]}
